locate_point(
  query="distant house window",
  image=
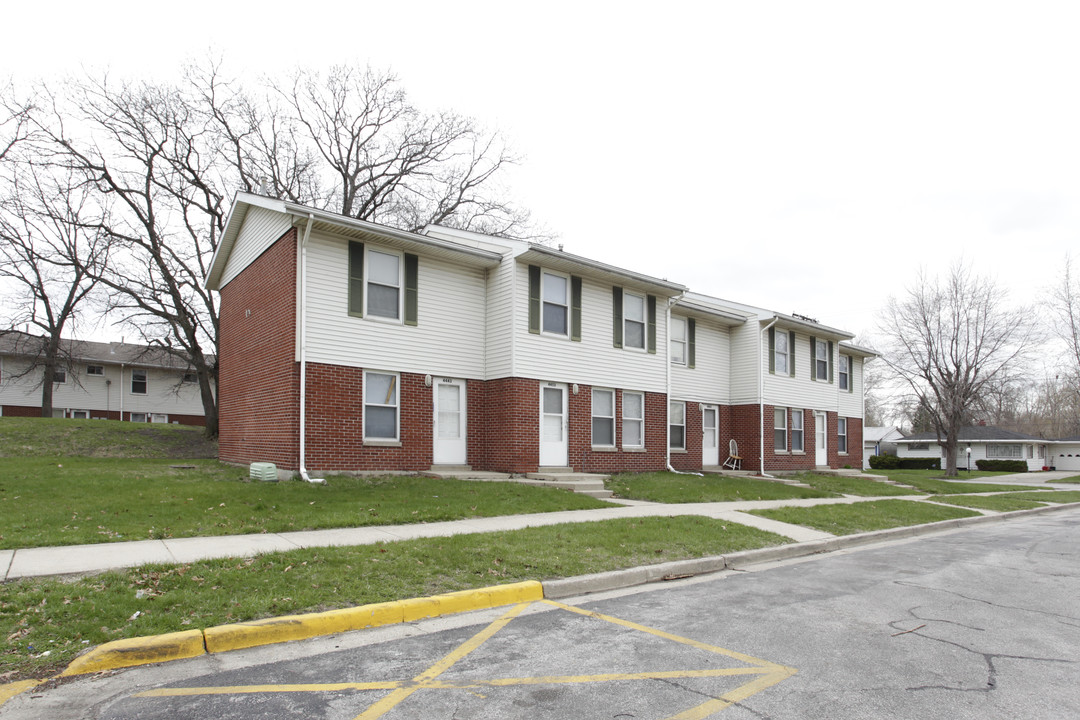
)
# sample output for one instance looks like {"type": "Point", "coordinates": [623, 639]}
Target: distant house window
{"type": "Point", "coordinates": [1042, 451]}
{"type": "Point", "coordinates": [918, 446]}
{"type": "Point", "coordinates": [633, 419]}
{"type": "Point", "coordinates": [845, 373]}
{"type": "Point", "coordinates": [677, 426]}
{"type": "Point", "coordinates": [383, 284]}
{"type": "Point", "coordinates": [603, 418]}
{"type": "Point", "coordinates": [678, 341]}
{"type": "Point", "coordinates": [80, 414]}
{"type": "Point", "coordinates": [555, 302]}
{"type": "Point", "coordinates": [781, 353]}
{"type": "Point", "coordinates": [797, 430]}
{"type": "Point", "coordinates": [821, 361]}
{"type": "Point", "coordinates": [1004, 451]}
{"type": "Point", "coordinates": [159, 418]}
{"type": "Point", "coordinates": [98, 370]}
{"type": "Point", "coordinates": [780, 427]}
{"type": "Point", "coordinates": [1030, 451]}
{"type": "Point", "coordinates": [190, 377]}
{"type": "Point", "coordinates": [380, 406]}
{"type": "Point", "coordinates": [138, 382]}
{"type": "Point", "coordinates": [59, 376]}
{"type": "Point", "coordinates": [841, 431]}
{"type": "Point", "coordinates": [137, 417]}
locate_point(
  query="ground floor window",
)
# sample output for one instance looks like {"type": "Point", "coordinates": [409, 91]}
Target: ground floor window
{"type": "Point", "coordinates": [633, 419]}
{"type": "Point", "coordinates": [796, 430]}
{"type": "Point", "coordinates": [677, 426]}
{"type": "Point", "coordinates": [780, 429]}
{"type": "Point", "coordinates": [380, 406]}
{"type": "Point", "coordinates": [137, 417]}
{"type": "Point", "coordinates": [603, 418]}
{"type": "Point", "coordinates": [1004, 451]}
{"type": "Point", "coordinates": [841, 432]}
{"type": "Point", "coordinates": [80, 414]}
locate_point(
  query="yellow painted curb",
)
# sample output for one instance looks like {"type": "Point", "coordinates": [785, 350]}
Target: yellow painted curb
{"type": "Point", "coordinates": [10, 690]}
{"type": "Point", "coordinates": [138, 651]}
{"type": "Point", "coordinates": [298, 627]}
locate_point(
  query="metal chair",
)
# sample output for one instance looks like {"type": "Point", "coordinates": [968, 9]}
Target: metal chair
{"type": "Point", "coordinates": [734, 461]}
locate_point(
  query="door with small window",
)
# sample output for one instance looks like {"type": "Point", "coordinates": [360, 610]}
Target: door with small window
{"type": "Point", "coordinates": [710, 435]}
{"type": "Point", "coordinates": [451, 441]}
{"type": "Point", "coordinates": [554, 447]}
{"type": "Point", "coordinates": [821, 458]}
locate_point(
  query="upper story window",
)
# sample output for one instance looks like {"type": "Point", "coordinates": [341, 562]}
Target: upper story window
{"type": "Point", "coordinates": [190, 377]}
{"type": "Point", "coordinates": [138, 382]}
{"type": "Point", "coordinates": [383, 284]}
{"type": "Point", "coordinates": [603, 418]}
{"type": "Point", "coordinates": [844, 373]}
{"type": "Point", "coordinates": [821, 360]}
{"type": "Point", "coordinates": [633, 320]}
{"type": "Point", "coordinates": [782, 358]}
{"type": "Point", "coordinates": [678, 340]}
{"type": "Point", "coordinates": [59, 375]}
{"type": "Point", "coordinates": [556, 303]}
{"type": "Point", "coordinates": [97, 370]}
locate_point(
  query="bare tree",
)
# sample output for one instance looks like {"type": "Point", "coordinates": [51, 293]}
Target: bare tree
{"type": "Point", "coordinates": [948, 340]}
{"type": "Point", "coordinates": [50, 262]}
{"type": "Point", "coordinates": [1065, 305]}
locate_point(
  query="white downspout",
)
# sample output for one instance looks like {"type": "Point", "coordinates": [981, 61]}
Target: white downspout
{"type": "Point", "coordinates": [121, 392]}
{"type": "Point", "coordinates": [761, 400]}
{"type": "Point", "coordinates": [667, 389]}
{"type": "Point", "coordinates": [303, 354]}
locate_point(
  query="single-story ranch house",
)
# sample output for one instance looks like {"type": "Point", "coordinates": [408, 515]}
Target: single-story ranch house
{"type": "Point", "coordinates": [879, 440]}
{"type": "Point", "coordinates": [986, 442]}
{"type": "Point", "coordinates": [347, 345]}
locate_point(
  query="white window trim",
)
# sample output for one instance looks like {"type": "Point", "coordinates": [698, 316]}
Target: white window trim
{"type": "Point", "coordinates": [842, 437]}
{"type": "Point", "coordinates": [681, 341]}
{"type": "Point", "coordinates": [60, 382]}
{"type": "Point", "coordinates": [671, 424]}
{"type": "Point", "coordinates": [993, 452]}
{"type": "Point", "coordinates": [639, 420]}
{"type": "Point", "coordinates": [801, 430]}
{"type": "Point", "coordinates": [95, 374]}
{"type": "Point", "coordinates": [131, 417]}
{"type": "Point", "coordinates": [783, 413]}
{"type": "Point", "coordinates": [644, 322]}
{"type": "Point", "coordinates": [397, 408]}
{"type": "Point", "coordinates": [146, 382]}
{"type": "Point", "coordinates": [400, 286]}
{"type": "Point", "coordinates": [778, 353]}
{"type": "Point", "coordinates": [593, 416]}
{"type": "Point", "coordinates": [564, 304]}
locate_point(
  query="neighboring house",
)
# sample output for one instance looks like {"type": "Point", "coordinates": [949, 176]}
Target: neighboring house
{"type": "Point", "coordinates": [879, 441]}
{"type": "Point", "coordinates": [346, 345]}
{"type": "Point", "coordinates": [110, 381]}
{"type": "Point", "coordinates": [985, 442]}
{"type": "Point", "coordinates": [1065, 454]}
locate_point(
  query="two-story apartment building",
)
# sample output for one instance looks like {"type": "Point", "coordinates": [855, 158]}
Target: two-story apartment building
{"type": "Point", "coordinates": [346, 345]}
{"type": "Point", "coordinates": [99, 380]}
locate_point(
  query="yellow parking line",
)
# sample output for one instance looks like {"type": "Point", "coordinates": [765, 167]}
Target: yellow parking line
{"type": "Point", "coordinates": [607, 677]}
{"type": "Point", "coordinates": [10, 690]}
{"type": "Point", "coordinates": [250, 689]}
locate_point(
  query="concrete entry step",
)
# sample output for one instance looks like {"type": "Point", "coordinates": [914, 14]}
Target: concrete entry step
{"type": "Point", "coordinates": [442, 472]}
{"type": "Point", "coordinates": [583, 483]}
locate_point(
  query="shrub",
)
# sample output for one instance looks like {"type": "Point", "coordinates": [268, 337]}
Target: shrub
{"type": "Point", "coordinates": [919, 463]}
{"type": "Point", "coordinates": [1002, 465]}
{"type": "Point", "coordinates": [884, 462]}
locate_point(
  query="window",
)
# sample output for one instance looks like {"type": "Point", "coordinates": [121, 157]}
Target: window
{"type": "Point", "coordinates": [59, 376]}
{"type": "Point", "coordinates": [383, 284]}
{"type": "Point", "coordinates": [633, 321]}
{"type": "Point", "coordinates": [633, 419]}
{"type": "Point", "coordinates": [841, 432]}
{"type": "Point", "coordinates": [796, 430]}
{"type": "Point", "coordinates": [678, 341]}
{"type": "Point", "coordinates": [603, 418]}
{"type": "Point", "coordinates": [80, 414]}
{"type": "Point", "coordinates": [821, 360]}
{"type": "Point", "coordinates": [918, 446]}
{"type": "Point", "coordinates": [555, 303]}
{"type": "Point", "coordinates": [1030, 452]}
{"type": "Point", "coordinates": [780, 428]}
{"type": "Point", "coordinates": [159, 418]}
{"type": "Point", "coordinates": [137, 417]}
{"type": "Point", "coordinates": [1004, 451]}
{"type": "Point", "coordinates": [98, 370]}
{"type": "Point", "coordinates": [845, 373]}
{"type": "Point", "coordinates": [781, 353]}
{"type": "Point", "coordinates": [138, 382]}
{"type": "Point", "coordinates": [380, 406]}
{"type": "Point", "coordinates": [190, 377]}
{"type": "Point", "coordinates": [677, 426]}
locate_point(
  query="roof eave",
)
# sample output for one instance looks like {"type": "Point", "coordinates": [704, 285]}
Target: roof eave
{"type": "Point", "coordinates": [569, 261]}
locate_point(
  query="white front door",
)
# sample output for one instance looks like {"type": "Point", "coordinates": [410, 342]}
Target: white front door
{"type": "Point", "coordinates": [710, 435]}
{"type": "Point", "coordinates": [821, 444]}
{"type": "Point", "coordinates": [553, 425]}
{"type": "Point", "coordinates": [451, 441]}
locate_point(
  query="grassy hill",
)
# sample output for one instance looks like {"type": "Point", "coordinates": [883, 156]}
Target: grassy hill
{"type": "Point", "coordinates": [46, 437]}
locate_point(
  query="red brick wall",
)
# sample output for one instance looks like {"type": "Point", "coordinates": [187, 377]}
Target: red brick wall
{"type": "Point", "coordinates": [745, 429]}
{"type": "Point", "coordinates": [21, 411]}
{"type": "Point", "coordinates": [583, 458]}
{"type": "Point", "coordinates": [504, 424]}
{"type": "Point", "coordinates": [258, 378]}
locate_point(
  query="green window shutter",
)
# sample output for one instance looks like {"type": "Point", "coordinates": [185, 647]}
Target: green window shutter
{"type": "Point", "coordinates": [616, 316]}
{"type": "Point", "coordinates": [652, 323]}
{"type": "Point", "coordinates": [791, 353]}
{"type": "Point", "coordinates": [356, 278]}
{"type": "Point", "coordinates": [534, 299]}
{"type": "Point", "coordinates": [412, 289]}
{"type": "Point", "coordinates": [850, 374]}
{"type": "Point", "coordinates": [575, 308]}
{"type": "Point", "coordinates": [691, 342]}
{"type": "Point", "coordinates": [830, 362]}
{"type": "Point", "coordinates": [772, 350]}
{"type": "Point", "coordinates": [813, 358]}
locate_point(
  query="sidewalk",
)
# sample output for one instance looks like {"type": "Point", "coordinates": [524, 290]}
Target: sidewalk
{"type": "Point", "coordinates": [77, 559]}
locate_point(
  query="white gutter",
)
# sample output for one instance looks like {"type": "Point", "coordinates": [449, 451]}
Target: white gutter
{"type": "Point", "coordinates": [303, 354]}
{"type": "Point", "coordinates": [761, 400]}
{"type": "Point", "coordinates": [667, 388]}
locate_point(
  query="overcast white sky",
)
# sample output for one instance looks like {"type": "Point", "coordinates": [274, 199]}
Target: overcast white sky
{"type": "Point", "coordinates": [804, 156]}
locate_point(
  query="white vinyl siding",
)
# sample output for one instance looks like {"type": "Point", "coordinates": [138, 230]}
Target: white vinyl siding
{"type": "Point", "coordinates": [450, 330]}
{"type": "Point", "coordinates": [850, 404]}
{"type": "Point", "coordinates": [261, 229]}
{"type": "Point", "coordinates": [709, 381]}
{"type": "Point", "coordinates": [594, 360]}
{"type": "Point", "coordinates": [500, 315]}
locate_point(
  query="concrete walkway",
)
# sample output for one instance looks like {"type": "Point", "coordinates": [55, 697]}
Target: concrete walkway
{"type": "Point", "coordinates": [79, 559]}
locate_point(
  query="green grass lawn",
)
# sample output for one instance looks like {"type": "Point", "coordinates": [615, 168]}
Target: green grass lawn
{"type": "Point", "coordinates": [864, 516]}
{"type": "Point", "coordinates": [1074, 479]}
{"type": "Point", "coordinates": [852, 485]}
{"type": "Point", "coordinates": [931, 482]}
{"type": "Point", "coordinates": [667, 487]}
{"type": "Point", "coordinates": [51, 437]}
{"type": "Point", "coordinates": [38, 615]}
{"type": "Point", "coordinates": [70, 501]}
{"type": "Point", "coordinates": [1050, 496]}
{"type": "Point", "coordinates": [999, 503]}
